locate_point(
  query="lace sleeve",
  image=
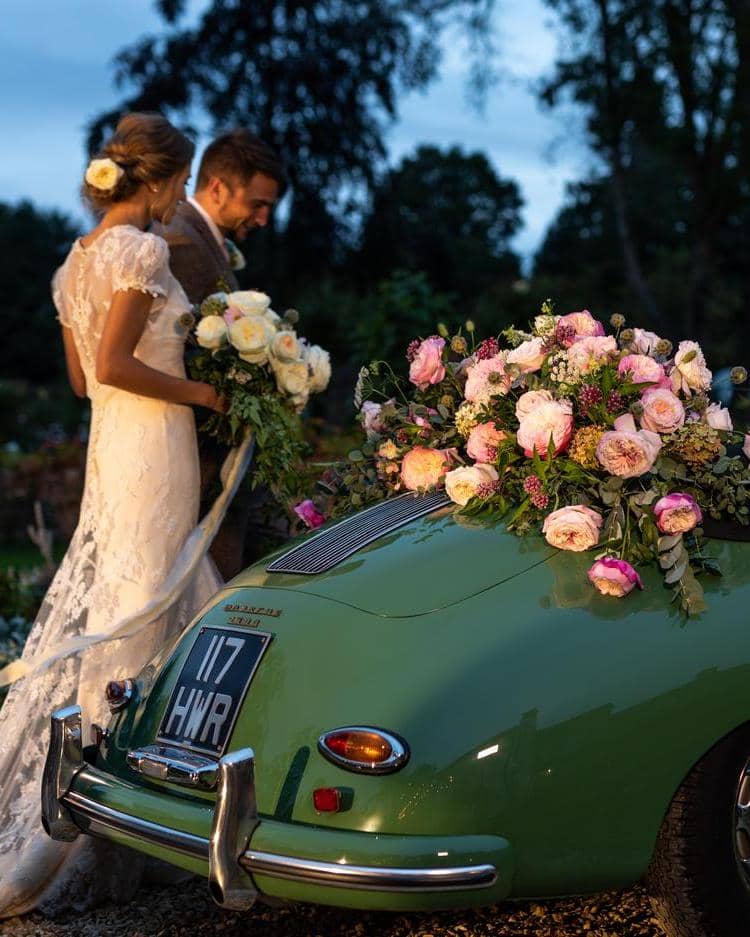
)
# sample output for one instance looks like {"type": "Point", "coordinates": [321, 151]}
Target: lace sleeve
{"type": "Point", "coordinates": [141, 263]}
{"type": "Point", "coordinates": [58, 298]}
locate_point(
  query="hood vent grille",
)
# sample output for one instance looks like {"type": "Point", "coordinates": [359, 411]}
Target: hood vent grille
{"type": "Point", "coordinates": [328, 548]}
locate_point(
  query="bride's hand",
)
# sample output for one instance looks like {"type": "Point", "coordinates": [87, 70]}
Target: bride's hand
{"type": "Point", "coordinates": [212, 400]}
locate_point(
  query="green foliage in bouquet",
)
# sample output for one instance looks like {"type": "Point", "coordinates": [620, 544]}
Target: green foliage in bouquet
{"type": "Point", "coordinates": [603, 442]}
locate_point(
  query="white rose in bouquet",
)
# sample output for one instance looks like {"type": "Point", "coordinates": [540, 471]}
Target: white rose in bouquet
{"type": "Point", "coordinates": [292, 377]}
{"type": "Point", "coordinates": [462, 483]}
{"type": "Point", "coordinates": [251, 336]}
{"type": "Point", "coordinates": [285, 347]}
{"type": "Point", "coordinates": [249, 302]}
{"type": "Point", "coordinates": [211, 332]}
{"type": "Point", "coordinates": [319, 363]}
{"type": "Point", "coordinates": [274, 318]}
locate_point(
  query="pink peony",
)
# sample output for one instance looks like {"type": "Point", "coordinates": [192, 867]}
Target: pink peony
{"type": "Point", "coordinates": [530, 401]}
{"type": "Point", "coordinates": [644, 342]}
{"type": "Point", "coordinates": [583, 323]}
{"type": "Point", "coordinates": [423, 468]}
{"type": "Point", "coordinates": [614, 577]}
{"type": "Point", "coordinates": [643, 369]}
{"type": "Point", "coordinates": [309, 514]}
{"type": "Point", "coordinates": [677, 513]}
{"type": "Point", "coordinates": [483, 440]}
{"type": "Point", "coordinates": [528, 356]}
{"type": "Point", "coordinates": [487, 378]}
{"type": "Point", "coordinates": [552, 419]}
{"type": "Point", "coordinates": [626, 452]}
{"type": "Point", "coordinates": [663, 412]}
{"type": "Point", "coordinates": [427, 367]}
{"type": "Point", "coordinates": [689, 372]}
{"type": "Point", "coordinates": [588, 353]}
{"type": "Point", "coordinates": [718, 417]}
{"type": "Point", "coordinates": [574, 527]}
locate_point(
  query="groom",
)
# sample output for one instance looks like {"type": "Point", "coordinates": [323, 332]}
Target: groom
{"type": "Point", "coordinates": [240, 179]}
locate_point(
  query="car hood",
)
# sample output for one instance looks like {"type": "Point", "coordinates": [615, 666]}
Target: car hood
{"type": "Point", "coordinates": [429, 563]}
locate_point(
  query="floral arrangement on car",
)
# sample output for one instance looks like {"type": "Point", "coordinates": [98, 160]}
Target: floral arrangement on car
{"type": "Point", "coordinates": [604, 442]}
{"type": "Point", "coordinates": [255, 358]}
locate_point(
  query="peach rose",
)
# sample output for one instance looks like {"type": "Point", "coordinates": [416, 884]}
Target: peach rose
{"type": "Point", "coordinates": [487, 378]}
{"type": "Point", "coordinates": [628, 453]}
{"type": "Point", "coordinates": [583, 323]}
{"type": "Point", "coordinates": [482, 439]}
{"type": "Point", "coordinates": [427, 367]}
{"type": "Point", "coordinates": [462, 483]}
{"type": "Point", "coordinates": [677, 513]}
{"type": "Point", "coordinates": [554, 420]}
{"type": "Point", "coordinates": [718, 417]}
{"type": "Point", "coordinates": [663, 412]}
{"type": "Point", "coordinates": [614, 577]}
{"type": "Point", "coordinates": [529, 356]}
{"type": "Point", "coordinates": [588, 353]}
{"type": "Point", "coordinates": [530, 401]}
{"type": "Point", "coordinates": [575, 527]}
{"type": "Point", "coordinates": [643, 369]}
{"type": "Point", "coordinates": [423, 468]}
{"type": "Point", "coordinates": [690, 372]}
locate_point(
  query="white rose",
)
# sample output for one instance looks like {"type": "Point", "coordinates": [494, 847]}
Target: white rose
{"type": "Point", "coordinates": [529, 356]}
{"type": "Point", "coordinates": [251, 336]}
{"type": "Point", "coordinates": [249, 302]}
{"type": "Point", "coordinates": [462, 484]}
{"type": "Point", "coordinates": [718, 417]}
{"type": "Point", "coordinates": [103, 174]}
{"type": "Point", "coordinates": [292, 378]}
{"type": "Point", "coordinates": [644, 342]}
{"type": "Point", "coordinates": [211, 332]}
{"type": "Point", "coordinates": [273, 318]}
{"type": "Point", "coordinates": [690, 372]}
{"type": "Point", "coordinates": [319, 362]}
{"type": "Point", "coordinates": [285, 347]}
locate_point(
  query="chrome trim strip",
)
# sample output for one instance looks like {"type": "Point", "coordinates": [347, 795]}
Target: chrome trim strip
{"type": "Point", "coordinates": [397, 759]}
{"type": "Point", "coordinates": [64, 761]}
{"type": "Point", "coordinates": [336, 874]}
{"type": "Point", "coordinates": [167, 763]}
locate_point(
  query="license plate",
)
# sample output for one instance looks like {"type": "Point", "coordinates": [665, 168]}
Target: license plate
{"type": "Point", "coordinates": [210, 688]}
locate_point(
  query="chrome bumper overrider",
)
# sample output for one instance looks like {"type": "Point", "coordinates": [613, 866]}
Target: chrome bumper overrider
{"type": "Point", "coordinates": [228, 851]}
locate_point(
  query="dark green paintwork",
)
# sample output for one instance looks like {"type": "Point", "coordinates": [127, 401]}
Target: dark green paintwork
{"type": "Point", "coordinates": [460, 636]}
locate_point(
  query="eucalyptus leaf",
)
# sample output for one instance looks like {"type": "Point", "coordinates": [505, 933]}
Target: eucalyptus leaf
{"type": "Point", "coordinates": [676, 572]}
{"type": "Point", "coordinates": [669, 541]}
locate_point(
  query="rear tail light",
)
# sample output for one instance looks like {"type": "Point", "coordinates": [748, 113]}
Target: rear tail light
{"type": "Point", "coordinates": [119, 693]}
{"type": "Point", "coordinates": [327, 799]}
{"type": "Point", "coordinates": [364, 749]}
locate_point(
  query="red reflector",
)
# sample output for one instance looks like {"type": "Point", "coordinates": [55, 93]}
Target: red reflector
{"type": "Point", "coordinates": [327, 799]}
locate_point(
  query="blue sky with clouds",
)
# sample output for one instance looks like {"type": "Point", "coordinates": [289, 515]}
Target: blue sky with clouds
{"type": "Point", "coordinates": [55, 74]}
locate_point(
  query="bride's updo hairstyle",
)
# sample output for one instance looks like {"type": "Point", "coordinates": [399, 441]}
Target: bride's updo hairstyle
{"type": "Point", "coordinates": [145, 149]}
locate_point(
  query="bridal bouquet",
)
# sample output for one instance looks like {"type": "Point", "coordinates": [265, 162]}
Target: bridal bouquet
{"type": "Point", "coordinates": [602, 442]}
{"type": "Point", "coordinates": [255, 358]}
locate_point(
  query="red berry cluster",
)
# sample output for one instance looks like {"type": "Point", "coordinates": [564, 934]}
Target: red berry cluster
{"type": "Point", "coordinates": [535, 489]}
{"type": "Point", "coordinates": [412, 349]}
{"type": "Point", "coordinates": [589, 396]}
{"type": "Point", "coordinates": [487, 349]}
{"type": "Point", "coordinates": [615, 401]}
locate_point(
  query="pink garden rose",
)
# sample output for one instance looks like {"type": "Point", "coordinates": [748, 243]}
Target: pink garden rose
{"type": "Point", "coordinates": [643, 369]}
{"type": "Point", "coordinates": [530, 401]}
{"type": "Point", "coordinates": [746, 446]}
{"type": "Point", "coordinates": [423, 468]}
{"type": "Point", "coordinates": [427, 367]}
{"type": "Point", "coordinates": [464, 482]}
{"type": "Point", "coordinates": [487, 378]}
{"type": "Point", "coordinates": [575, 527]}
{"type": "Point", "coordinates": [583, 323]}
{"type": "Point", "coordinates": [677, 513]}
{"type": "Point", "coordinates": [589, 352]}
{"type": "Point", "coordinates": [614, 577]}
{"type": "Point", "coordinates": [663, 411]}
{"type": "Point", "coordinates": [718, 417]}
{"type": "Point", "coordinates": [551, 419]}
{"type": "Point", "coordinates": [690, 372]}
{"type": "Point", "coordinates": [309, 514]}
{"type": "Point", "coordinates": [627, 452]}
{"type": "Point", "coordinates": [528, 356]}
{"type": "Point", "coordinates": [645, 342]}
{"type": "Point", "coordinates": [482, 442]}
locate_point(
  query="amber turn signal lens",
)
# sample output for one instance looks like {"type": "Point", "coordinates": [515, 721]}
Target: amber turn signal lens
{"type": "Point", "coordinates": [369, 747]}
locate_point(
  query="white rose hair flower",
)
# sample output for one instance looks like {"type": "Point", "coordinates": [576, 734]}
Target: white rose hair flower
{"type": "Point", "coordinates": [103, 174]}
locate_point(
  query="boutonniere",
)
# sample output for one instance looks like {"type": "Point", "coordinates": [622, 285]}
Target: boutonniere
{"type": "Point", "coordinates": [236, 257]}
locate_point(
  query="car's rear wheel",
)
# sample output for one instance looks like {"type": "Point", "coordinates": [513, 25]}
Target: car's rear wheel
{"type": "Point", "coordinates": [699, 878]}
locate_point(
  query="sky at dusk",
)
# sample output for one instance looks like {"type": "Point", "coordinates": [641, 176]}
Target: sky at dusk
{"type": "Point", "coordinates": [55, 74]}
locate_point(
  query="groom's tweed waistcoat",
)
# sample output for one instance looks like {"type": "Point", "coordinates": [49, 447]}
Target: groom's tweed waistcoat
{"type": "Point", "coordinates": [195, 257]}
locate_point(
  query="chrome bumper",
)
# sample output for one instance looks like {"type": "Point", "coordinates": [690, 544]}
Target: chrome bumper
{"type": "Point", "coordinates": [231, 859]}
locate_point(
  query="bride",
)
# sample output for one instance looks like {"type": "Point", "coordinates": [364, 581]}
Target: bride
{"type": "Point", "coordinates": [124, 322]}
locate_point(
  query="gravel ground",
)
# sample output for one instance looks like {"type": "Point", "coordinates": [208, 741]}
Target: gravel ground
{"type": "Point", "coordinates": [187, 910]}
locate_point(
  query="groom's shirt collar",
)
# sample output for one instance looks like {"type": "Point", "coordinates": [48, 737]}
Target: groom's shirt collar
{"type": "Point", "coordinates": [213, 227]}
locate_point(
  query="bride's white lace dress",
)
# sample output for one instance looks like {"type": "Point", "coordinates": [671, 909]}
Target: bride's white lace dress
{"type": "Point", "coordinates": [139, 507]}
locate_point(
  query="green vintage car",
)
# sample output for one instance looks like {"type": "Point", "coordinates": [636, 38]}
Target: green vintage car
{"type": "Point", "coordinates": [412, 709]}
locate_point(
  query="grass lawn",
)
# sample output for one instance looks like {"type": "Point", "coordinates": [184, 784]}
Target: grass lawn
{"type": "Point", "coordinates": [21, 556]}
